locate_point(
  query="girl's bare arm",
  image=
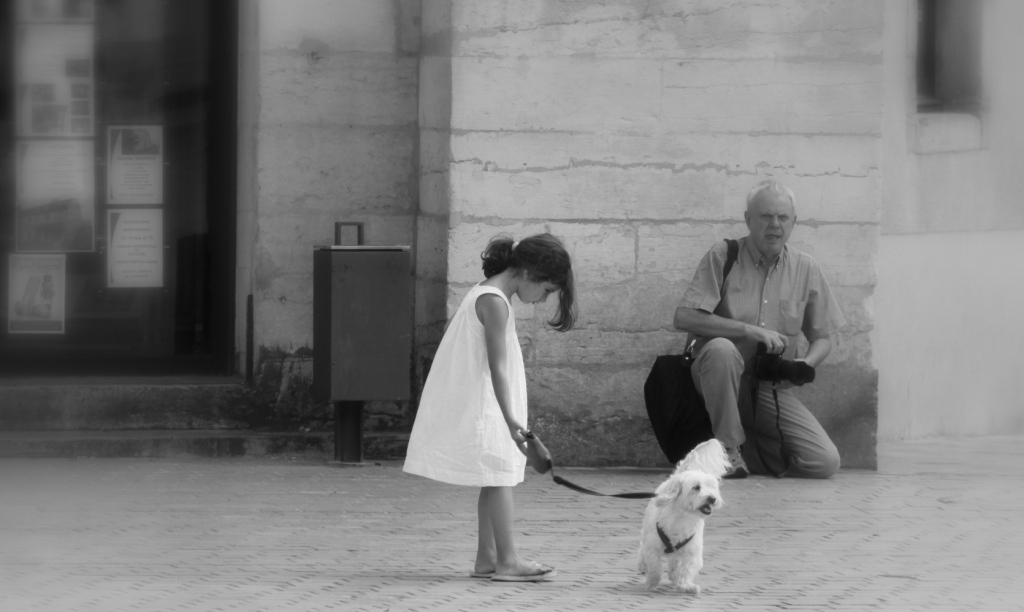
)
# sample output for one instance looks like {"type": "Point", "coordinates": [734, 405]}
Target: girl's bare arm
{"type": "Point", "coordinates": [493, 313]}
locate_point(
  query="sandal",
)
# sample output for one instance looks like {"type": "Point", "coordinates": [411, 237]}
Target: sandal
{"type": "Point", "coordinates": [539, 574]}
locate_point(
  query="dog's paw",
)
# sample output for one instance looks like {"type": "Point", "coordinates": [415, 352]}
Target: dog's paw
{"type": "Point", "coordinates": [689, 588]}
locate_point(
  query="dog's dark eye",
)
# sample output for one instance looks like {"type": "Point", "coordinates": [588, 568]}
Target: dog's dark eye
{"type": "Point", "coordinates": [696, 487]}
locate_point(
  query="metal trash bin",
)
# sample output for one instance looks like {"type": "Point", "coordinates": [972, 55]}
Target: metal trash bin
{"type": "Point", "coordinates": [362, 334]}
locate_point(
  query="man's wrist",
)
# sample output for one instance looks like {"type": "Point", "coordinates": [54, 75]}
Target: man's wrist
{"type": "Point", "coordinates": [809, 362]}
{"type": "Point", "coordinates": [751, 331]}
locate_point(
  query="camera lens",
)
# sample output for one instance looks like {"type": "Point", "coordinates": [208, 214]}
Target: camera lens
{"type": "Point", "coordinates": [774, 368]}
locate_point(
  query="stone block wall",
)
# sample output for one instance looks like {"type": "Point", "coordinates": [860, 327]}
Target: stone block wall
{"type": "Point", "coordinates": [633, 130]}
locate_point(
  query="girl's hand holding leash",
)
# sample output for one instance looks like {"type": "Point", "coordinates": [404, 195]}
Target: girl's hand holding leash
{"type": "Point", "coordinates": [516, 430]}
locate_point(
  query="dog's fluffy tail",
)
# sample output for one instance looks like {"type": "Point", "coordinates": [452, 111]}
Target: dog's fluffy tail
{"type": "Point", "coordinates": [708, 457]}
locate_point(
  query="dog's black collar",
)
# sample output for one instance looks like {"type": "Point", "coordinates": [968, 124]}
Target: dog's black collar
{"type": "Point", "coordinates": [669, 546]}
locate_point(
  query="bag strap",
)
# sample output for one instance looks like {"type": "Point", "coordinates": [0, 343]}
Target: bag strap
{"type": "Point", "coordinates": [732, 252]}
{"type": "Point", "coordinates": [754, 392]}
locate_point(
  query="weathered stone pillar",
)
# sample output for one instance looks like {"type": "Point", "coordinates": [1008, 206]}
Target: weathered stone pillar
{"type": "Point", "coordinates": [435, 134]}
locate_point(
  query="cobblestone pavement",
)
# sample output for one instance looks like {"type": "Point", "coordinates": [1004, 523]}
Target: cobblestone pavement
{"type": "Point", "coordinates": [938, 527]}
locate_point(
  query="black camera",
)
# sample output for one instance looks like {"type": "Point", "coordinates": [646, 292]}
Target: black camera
{"type": "Point", "coordinates": [774, 368]}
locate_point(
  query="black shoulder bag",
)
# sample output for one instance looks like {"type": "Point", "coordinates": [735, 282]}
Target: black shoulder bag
{"type": "Point", "coordinates": [676, 410]}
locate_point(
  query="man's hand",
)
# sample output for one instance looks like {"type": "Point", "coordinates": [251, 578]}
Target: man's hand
{"type": "Point", "coordinates": [775, 341]}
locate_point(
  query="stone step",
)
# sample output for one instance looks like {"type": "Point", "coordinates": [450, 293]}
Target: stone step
{"type": "Point", "coordinates": [153, 443]}
{"type": "Point", "coordinates": [30, 404]}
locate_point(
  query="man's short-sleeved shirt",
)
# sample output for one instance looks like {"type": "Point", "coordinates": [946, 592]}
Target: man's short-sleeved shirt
{"type": "Point", "coordinates": [789, 296]}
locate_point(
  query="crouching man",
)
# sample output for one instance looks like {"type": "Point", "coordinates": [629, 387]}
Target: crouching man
{"type": "Point", "coordinates": [771, 295]}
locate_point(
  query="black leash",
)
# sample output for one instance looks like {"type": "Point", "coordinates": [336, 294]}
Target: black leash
{"type": "Point", "coordinates": [579, 489]}
{"type": "Point", "coordinates": [537, 455]}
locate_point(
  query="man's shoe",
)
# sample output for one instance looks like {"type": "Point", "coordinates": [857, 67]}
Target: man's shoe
{"type": "Point", "coordinates": [737, 466]}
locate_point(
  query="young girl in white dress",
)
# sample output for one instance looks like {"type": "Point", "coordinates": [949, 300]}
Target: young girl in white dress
{"type": "Point", "coordinates": [472, 414]}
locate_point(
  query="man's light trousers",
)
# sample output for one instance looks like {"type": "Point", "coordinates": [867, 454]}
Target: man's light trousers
{"type": "Point", "coordinates": [717, 373]}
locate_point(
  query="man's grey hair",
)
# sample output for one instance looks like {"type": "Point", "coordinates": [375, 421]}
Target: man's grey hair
{"type": "Point", "coordinates": [771, 186]}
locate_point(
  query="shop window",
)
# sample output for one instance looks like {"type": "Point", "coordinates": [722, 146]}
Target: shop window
{"type": "Point", "coordinates": [117, 188]}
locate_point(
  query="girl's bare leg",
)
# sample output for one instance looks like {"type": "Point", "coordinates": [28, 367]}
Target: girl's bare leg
{"type": "Point", "coordinates": [496, 544]}
{"type": "Point", "coordinates": [486, 553]}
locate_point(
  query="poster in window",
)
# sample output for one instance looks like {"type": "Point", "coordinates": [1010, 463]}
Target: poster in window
{"type": "Point", "coordinates": [56, 10]}
{"type": "Point", "coordinates": [135, 164]}
{"type": "Point", "coordinates": [55, 196]}
{"type": "Point", "coordinates": [35, 294]}
{"type": "Point", "coordinates": [55, 82]}
{"type": "Point", "coordinates": [135, 251]}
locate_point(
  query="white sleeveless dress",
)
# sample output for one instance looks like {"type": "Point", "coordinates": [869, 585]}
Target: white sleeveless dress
{"type": "Point", "coordinates": [460, 436]}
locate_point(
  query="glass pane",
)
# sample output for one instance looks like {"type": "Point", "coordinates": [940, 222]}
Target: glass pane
{"type": "Point", "coordinates": [103, 199]}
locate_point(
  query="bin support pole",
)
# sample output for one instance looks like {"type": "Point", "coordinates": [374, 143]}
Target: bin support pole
{"type": "Point", "coordinates": [348, 431]}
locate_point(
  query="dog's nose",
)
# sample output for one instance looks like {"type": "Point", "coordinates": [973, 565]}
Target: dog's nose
{"type": "Point", "coordinates": [712, 499]}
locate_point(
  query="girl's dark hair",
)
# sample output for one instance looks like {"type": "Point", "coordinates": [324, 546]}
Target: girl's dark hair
{"type": "Point", "coordinates": [544, 259]}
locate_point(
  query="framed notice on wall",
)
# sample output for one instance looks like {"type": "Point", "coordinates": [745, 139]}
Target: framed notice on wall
{"type": "Point", "coordinates": [135, 164]}
{"type": "Point", "coordinates": [135, 247]}
{"type": "Point", "coordinates": [55, 195]}
{"type": "Point", "coordinates": [55, 85]}
{"type": "Point", "coordinates": [35, 294]}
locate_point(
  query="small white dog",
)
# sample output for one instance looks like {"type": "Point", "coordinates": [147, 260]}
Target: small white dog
{"type": "Point", "coordinates": [674, 521]}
